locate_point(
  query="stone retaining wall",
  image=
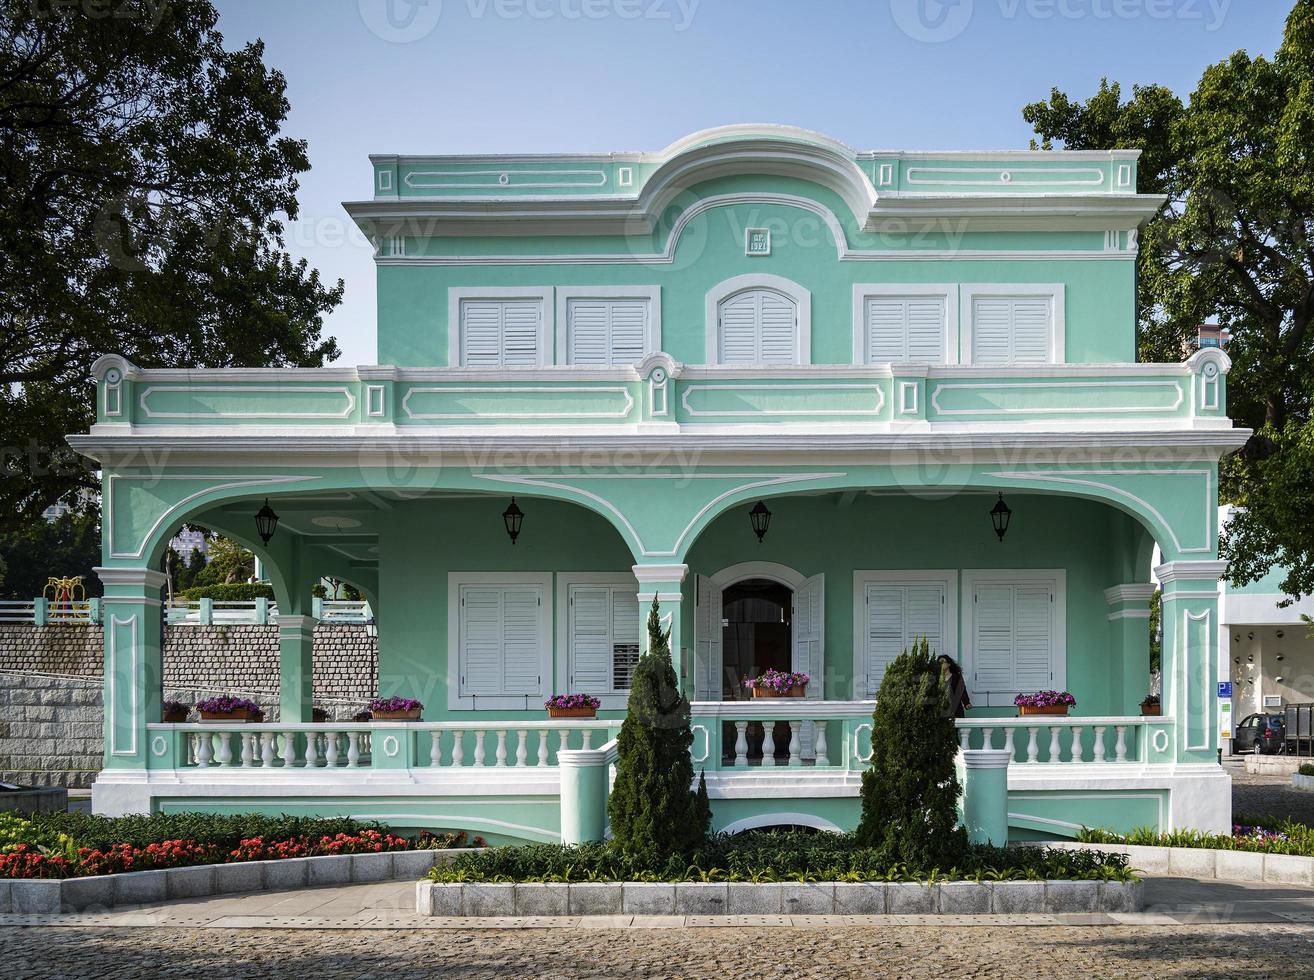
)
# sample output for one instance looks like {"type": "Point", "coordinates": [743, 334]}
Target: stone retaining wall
{"type": "Point", "coordinates": [51, 713]}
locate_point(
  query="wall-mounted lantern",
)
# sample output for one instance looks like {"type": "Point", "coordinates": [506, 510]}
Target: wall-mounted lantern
{"type": "Point", "coordinates": [512, 517]}
{"type": "Point", "coordinates": [999, 517]}
{"type": "Point", "coordinates": [266, 522]}
{"type": "Point", "coordinates": [760, 518]}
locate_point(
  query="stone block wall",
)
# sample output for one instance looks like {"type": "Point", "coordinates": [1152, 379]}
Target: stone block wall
{"type": "Point", "coordinates": [51, 714]}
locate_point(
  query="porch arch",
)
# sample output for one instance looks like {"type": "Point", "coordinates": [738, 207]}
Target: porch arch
{"type": "Point", "coordinates": [745, 570]}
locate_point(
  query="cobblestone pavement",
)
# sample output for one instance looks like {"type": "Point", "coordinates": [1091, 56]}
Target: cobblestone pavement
{"type": "Point", "coordinates": [1156, 951]}
{"type": "Point", "coordinates": [1254, 794]}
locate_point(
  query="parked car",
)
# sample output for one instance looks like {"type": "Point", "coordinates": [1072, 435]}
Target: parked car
{"type": "Point", "coordinates": [1260, 733]}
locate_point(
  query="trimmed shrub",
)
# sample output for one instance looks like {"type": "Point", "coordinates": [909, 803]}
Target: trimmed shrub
{"type": "Point", "coordinates": [1306, 769]}
{"type": "Point", "coordinates": [230, 591]}
{"type": "Point", "coordinates": [654, 811]}
{"type": "Point", "coordinates": [910, 791]}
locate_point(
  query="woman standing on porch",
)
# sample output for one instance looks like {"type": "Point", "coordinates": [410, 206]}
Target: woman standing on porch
{"type": "Point", "coordinates": [959, 700]}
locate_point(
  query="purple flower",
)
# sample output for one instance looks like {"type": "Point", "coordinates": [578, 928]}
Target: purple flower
{"type": "Point", "coordinates": [572, 701]}
{"type": "Point", "coordinates": [1045, 699]}
{"type": "Point", "coordinates": [780, 681]}
{"type": "Point", "coordinates": [395, 704]}
{"type": "Point", "coordinates": [227, 705]}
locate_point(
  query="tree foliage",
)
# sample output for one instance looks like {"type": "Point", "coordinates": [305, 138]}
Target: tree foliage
{"type": "Point", "coordinates": [67, 546]}
{"type": "Point", "coordinates": [1235, 241]}
{"type": "Point", "coordinates": [229, 563]}
{"type": "Point", "coordinates": [654, 812]}
{"type": "Point", "coordinates": [145, 185]}
{"type": "Point", "coordinates": [910, 791]}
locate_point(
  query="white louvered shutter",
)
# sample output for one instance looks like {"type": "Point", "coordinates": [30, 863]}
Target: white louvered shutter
{"type": "Point", "coordinates": [1033, 614]}
{"type": "Point", "coordinates": [1012, 329]}
{"type": "Point", "coordinates": [500, 640]}
{"type": "Point", "coordinates": [606, 331]}
{"type": "Point", "coordinates": [625, 636]}
{"type": "Point", "coordinates": [707, 642]}
{"type": "Point", "coordinates": [522, 641]}
{"type": "Point", "coordinates": [500, 332]}
{"type": "Point", "coordinates": [590, 639]}
{"type": "Point", "coordinates": [758, 326]}
{"type": "Point", "coordinates": [481, 641]}
{"type": "Point", "coordinates": [905, 329]}
{"type": "Point", "coordinates": [809, 651]}
{"type": "Point", "coordinates": [897, 617]}
{"type": "Point", "coordinates": [1014, 636]}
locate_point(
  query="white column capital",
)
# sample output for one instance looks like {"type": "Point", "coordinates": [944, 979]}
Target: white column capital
{"type": "Point", "coordinates": [649, 574]}
{"type": "Point", "coordinates": [145, 578]}
{"type": "Point", "coordinates": [1194, 571]}
{"type": "Point", "coordinates": [295, 623]}
{"type": "Point", "coordinates": [1133, 593]}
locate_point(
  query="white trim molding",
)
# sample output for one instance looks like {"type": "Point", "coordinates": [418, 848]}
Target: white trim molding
{"type": "Point", "coordinates": [546, 329]}
{"type": "Point", "coordinates": [1054, 291]}
{"type": "Point", "coordinates": [1193, 571]}
{"type": "Point", "coordinates": [948, 291]}
{"type": "Point", "coordinates": [800, 295]}
{"type": "Point", "coordinates": [650, 574]}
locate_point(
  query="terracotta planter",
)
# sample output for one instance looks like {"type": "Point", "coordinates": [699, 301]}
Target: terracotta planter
{"type": "Point", "coordinates": [174, 717]}
{"type": "Point", "coordinates": [241, 714]}
{"type": "Point", "coordinates": [412, 715]}
{"type": "Point", "coordinates": [797, 691]}
{"type": "Point", "coordinates": [1151, 709]}
{"type": "Point", "coordinates": [1048, 709]}
{"type": "Point", "coordinates": [572, 712]}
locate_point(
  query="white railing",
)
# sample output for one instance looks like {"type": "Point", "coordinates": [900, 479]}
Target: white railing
{"type": "Point", "coordinates": [17, 611]}
{"type": "Point", "coordinates": [248, 612]}
{"type": "Point", "coordinates": [818, 733]}
{"type": "Point", "coordinates": [343, 611]}
{"type": "Point", "coordinates": [1053, 739]}
{"type": "Point", "coordinates": [355, 745]}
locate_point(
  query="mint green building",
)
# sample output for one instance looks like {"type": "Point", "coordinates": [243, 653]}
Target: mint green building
{"type": "Point", "coordinates": [638, 348]}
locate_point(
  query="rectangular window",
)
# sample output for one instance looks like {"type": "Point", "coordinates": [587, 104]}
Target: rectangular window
{"type": "Point", "coordinates": [895, 609]}
{"type": "Point", "coordinates": [599, 632]}
{"type": "Point", "coordinates": [606, 331]}
{"type": "Point", "coordinates": [607, 325]}
{"type": "Point", "coordinates": [1015, 324]}
{"type": "Point", "coordinates": [1017, 632]}
{"type": "Point", "coordinates": [905, 329]}
{"type": "Point", "coordinates": [499, 639]}
{"type": "Point", "coordinates": [500, 332]}
{"type": "Point", "coordinates": [499, 326]}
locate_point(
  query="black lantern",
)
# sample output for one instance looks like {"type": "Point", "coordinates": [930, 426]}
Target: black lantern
{"type": "Point", "coordinates": [266, 522]}
{"type": "Point", "coordinates": [512, 518]}
{"type": "Point", "coordinates": [999, 515]}
{"type": "Point", "coordinates": [761, 520]}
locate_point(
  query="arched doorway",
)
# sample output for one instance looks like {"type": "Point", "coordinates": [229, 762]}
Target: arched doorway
{"type": "Point", "coordinates": [756, 636]}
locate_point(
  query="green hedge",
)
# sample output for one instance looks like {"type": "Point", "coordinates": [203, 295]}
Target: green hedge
{"type": "Point", "coordinates": [230, 591]}
{"type": "Point", "coordinates": [773, 856]}
{"type": "Point", "coordinates": [223, 830]}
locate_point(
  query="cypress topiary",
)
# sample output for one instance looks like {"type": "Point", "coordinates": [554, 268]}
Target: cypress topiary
{"type": "Point", "coordinates": [654, 812]}
{"type": "Point", "coordinates": [910, 791]}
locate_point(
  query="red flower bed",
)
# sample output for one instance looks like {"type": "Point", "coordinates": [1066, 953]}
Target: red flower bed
{"type": "Point", "coordinates": [26, 862]}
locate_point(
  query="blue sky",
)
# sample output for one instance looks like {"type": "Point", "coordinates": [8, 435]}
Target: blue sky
{"type": "Point", "coordinates": [472, 76]}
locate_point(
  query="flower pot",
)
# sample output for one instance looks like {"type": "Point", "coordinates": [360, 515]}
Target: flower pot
{"type": "Point", "coordinates": [174, 717]}
{"type": "Point", "coordinates": [1151, 709]}
{"type": "Point", "coordinates": [412, 715]}
{"type": "Point", "coordinates": [238, 714]}
{"type": "Point", "coordinates": [797, 691]}
{"type": "Point", "coordinates": [572, 712]}
{"type": "Point", "coordinates": [1043, 709]}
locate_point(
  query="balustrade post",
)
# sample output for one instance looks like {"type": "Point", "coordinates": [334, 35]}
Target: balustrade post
{"type": "Point", "coordinates": [1120, 744]}
{"type": "Point", "coordinates": [795, 755]}
{"type": "Point", "coordinates": [436, 749]}
{"type": "Point", "coordinates": [1099, 743]}
{"type": "Point", "coordinates": [583, 774]}
{"type": "Point", "coordinates": [823, 759]}
{"type": "Point", "coordinates": [248, 748]}
{"type": "Point", "coordinates": [543, 747]}
{"type": "Point", "coordinates": [741, 743]}
{"type": "Point", "coordinates": [1055, 750]}
{"type": "Point", "coordinates": [331, 749]}
{"type": "Point", "coordinates": [1033, 747]}
{"type": "Point", "coordinates": [1077, 751]}
{"type": "Point", "coordinates": [458, 748]}
{"type": "Point", "coordinates": [267, 740]}
{"type": "Point", "coordinates": [522, 747]}
{"type": "Point", "coordinates": [312, 750]}
{"type": "Point", "coordinates": [768, 743]}
{"type": "Point", "coordinates": [353, 748]}
{"type": "Point", "coordinates": [479, 756]}
{"type": "Point", "coordinates": [1009, 733]}
{"type": "Point", "coordinates": [289, 749]}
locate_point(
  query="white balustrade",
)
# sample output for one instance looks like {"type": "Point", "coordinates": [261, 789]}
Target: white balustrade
{"type": "Point", "coordinates": [1061, 740]}
{"type": "Point", "coordinates": [756, 719]}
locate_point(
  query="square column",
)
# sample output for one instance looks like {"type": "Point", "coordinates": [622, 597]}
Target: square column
{"type": "Point", "coordinates": [1129, 642]}
{"type": "Point", "coordinates": [1190, 655]}
{"type": "Point", "coordinates": [665, 582]}
{"type": "Point", "coordinates": [296, 674]}
{"type": "Point", "coordinates": [133, 628]}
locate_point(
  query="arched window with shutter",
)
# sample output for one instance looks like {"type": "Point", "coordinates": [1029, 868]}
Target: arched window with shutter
{"type": "Point", "coordinates": [759, 320]}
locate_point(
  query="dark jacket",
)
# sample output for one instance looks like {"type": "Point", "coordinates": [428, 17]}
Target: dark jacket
{"type": "Point", "coordinates": [959, 700]}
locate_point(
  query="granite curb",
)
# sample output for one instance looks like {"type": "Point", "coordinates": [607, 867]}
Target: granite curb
{"type": "Point", "coordinates": [1204, 862]}
{"type": "Point", "coordinates": [459, 899]}
{"type": "Point", "coordinates": [34, 896]}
